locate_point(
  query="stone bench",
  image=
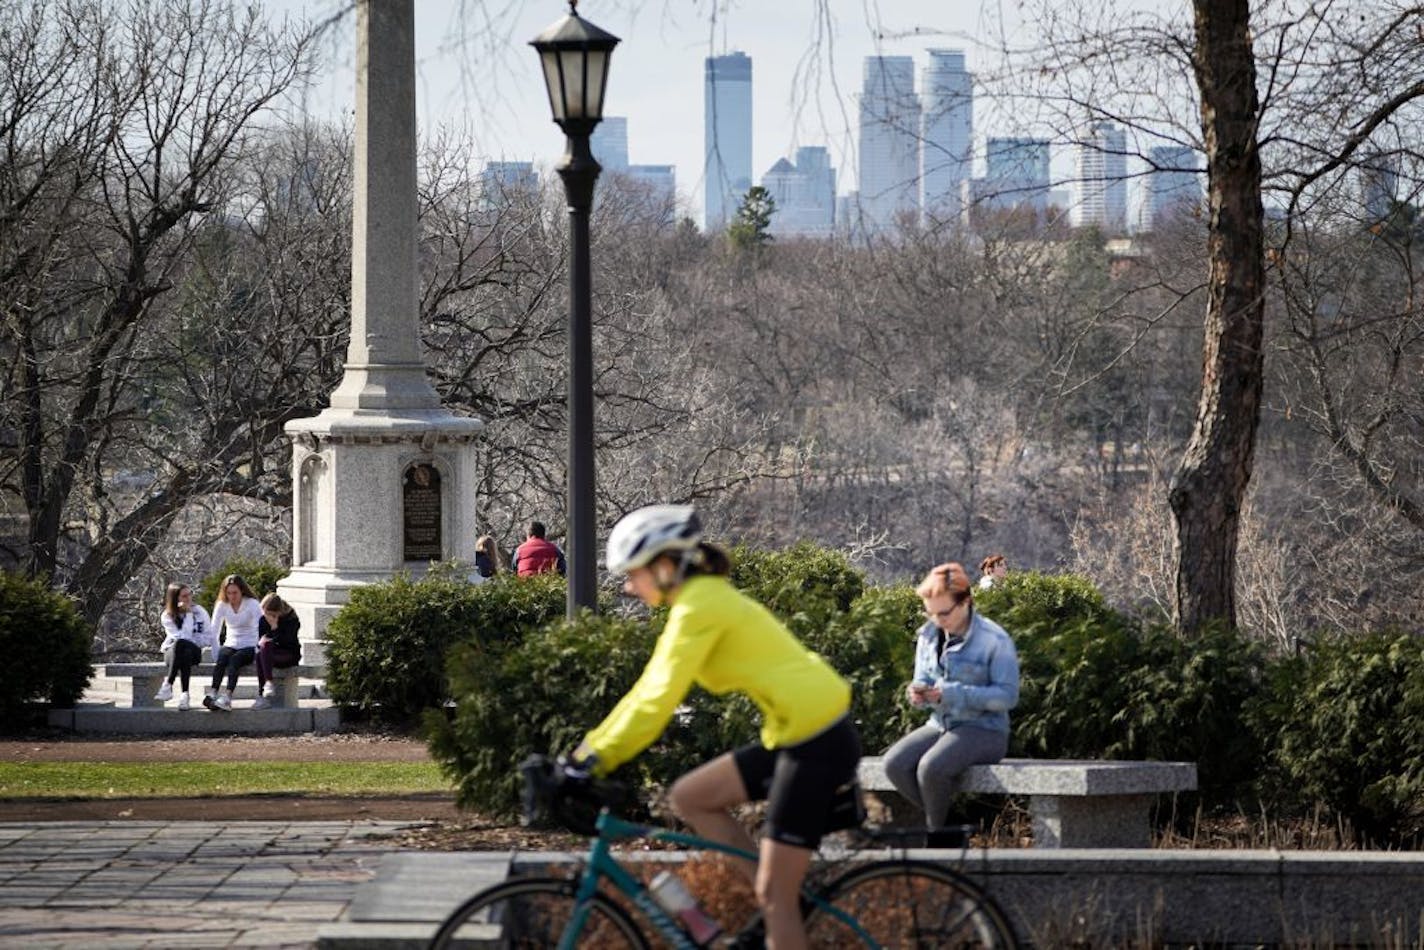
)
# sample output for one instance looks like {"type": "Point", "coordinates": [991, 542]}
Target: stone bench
{"type": "Point", "coordinates": [1074, 803]}
{"type": "Point", "coordinates": [147, 677]}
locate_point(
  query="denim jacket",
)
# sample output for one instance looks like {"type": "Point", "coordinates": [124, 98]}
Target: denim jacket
{"type": "Point", "coordinates": [978, 677]}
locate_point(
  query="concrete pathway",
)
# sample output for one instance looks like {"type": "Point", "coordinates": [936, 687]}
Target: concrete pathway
{"type": "Point", "coordinates": [181, 884]}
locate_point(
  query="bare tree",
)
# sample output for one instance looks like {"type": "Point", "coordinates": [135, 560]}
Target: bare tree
{"type": "Point", "coordinates": [119, 133]}
{"type": "Point", "coordinates": [1209, 490]}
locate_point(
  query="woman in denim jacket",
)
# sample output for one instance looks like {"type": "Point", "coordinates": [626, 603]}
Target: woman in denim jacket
{"type": "Point", "coordinates": [967, 676]}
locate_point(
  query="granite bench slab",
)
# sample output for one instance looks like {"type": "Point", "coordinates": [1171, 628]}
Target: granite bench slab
{"type": "Point", "coordinates": [146, 678]}
{"type": "Point", "coordinates": [1074, 803]}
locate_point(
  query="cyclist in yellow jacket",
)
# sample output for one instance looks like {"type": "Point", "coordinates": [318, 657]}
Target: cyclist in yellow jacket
{"type": "Point", "coordinates": [724, 641]}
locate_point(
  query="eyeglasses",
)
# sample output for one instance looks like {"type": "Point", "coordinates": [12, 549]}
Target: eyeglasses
{"type": "Point", "coordinates": [944, 614]}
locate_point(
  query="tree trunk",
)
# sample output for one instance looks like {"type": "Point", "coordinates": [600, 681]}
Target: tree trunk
{"type": "Point", "coordinates": [1210, 485]}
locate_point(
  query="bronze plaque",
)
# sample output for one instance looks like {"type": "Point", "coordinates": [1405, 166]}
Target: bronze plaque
{"type": "Point", "coordinates": [421, 497]}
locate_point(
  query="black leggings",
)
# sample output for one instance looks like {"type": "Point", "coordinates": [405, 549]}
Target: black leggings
{"type": "Point", "coordinates": [186, 655]}
{"type": "Point", "coordinates": [231, 661]}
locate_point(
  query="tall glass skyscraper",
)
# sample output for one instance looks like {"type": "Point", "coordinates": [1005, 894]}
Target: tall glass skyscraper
{"type": "Point", "coordinates": [1102, 180]}
{"type": "Point", "coordinates": [609, 143]}
{"type": "Point", "coordinates": [889, 141]}
{"type": "Point", "coordinates": [946, 134]}
{"type": "Point", "coordinates": [1379, 184]}
{"type": "Point", "coordinates": [1016, 173]}
{"type": "Point", "coordinates": [1174, 185]}
{"type": "Point", "coordinates": [727, 125]}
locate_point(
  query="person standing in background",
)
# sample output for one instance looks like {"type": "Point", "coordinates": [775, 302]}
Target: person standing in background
{"type": "Point", "coordinates": [487, 558]}
{"type": "Point", "coordinates": [537, 555]}
{"type": "Point", "coordinates": [992, 570]}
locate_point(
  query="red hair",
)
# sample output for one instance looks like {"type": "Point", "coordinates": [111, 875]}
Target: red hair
{"type": "Point", "coordinates": [948, 578]}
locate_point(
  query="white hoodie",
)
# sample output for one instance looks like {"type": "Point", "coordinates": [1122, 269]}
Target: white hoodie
{"type": "Point", "coordinates": [193, 626]}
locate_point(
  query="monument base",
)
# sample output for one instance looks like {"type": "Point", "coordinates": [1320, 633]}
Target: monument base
{"type": "Point", "coordinates": [377, 494]}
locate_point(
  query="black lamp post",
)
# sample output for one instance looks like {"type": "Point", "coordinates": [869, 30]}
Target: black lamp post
{"type": "Point", "coordinates": [575, 56]}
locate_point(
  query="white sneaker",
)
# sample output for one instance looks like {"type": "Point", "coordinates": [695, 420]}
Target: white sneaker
{"type": "Point", "coordinates": [224, 700]}
{"type": "Point", "coordinates": [269, 690]}
{"type": "Point", "coordinates": [165, 692]}
{"type": "Point", "coordinates": [182, 701]}
{"type": "Point", "coordinates": [262, 702]}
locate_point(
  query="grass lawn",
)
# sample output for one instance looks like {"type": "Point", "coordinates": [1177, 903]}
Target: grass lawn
{"type": "Point", "coordinates": [197, 779]}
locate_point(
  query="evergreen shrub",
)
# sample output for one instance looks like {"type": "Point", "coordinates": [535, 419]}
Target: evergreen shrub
{"type": "Point", "coordinates": [46, 645]}
{"type": "Point", "coordinates": [541, 693]}
{"type": "Point", "coordinates": [806, 585]}
{"type": "Point", "coordinates": [1348, 726]}
{"type": "Point", "coordinates": [388, 645]}
{"type": "Point", "coordinates": [1097, 684]}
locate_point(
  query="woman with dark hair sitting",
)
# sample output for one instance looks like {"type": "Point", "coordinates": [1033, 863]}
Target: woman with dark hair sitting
{"type": "Point", "coordinates": [186, 630]}
{"type": "Point", "coordinates": [278, 645]}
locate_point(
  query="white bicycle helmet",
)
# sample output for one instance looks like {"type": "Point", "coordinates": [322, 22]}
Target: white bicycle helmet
{"type": "Point", "coordinates": [642, 535]}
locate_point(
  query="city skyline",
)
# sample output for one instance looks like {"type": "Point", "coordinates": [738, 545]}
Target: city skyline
{"type": "Point", "coordinates": [808, 62]}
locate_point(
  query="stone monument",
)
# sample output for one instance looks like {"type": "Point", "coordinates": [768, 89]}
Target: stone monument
{"type": "Point", "coordinates": [384, 478]}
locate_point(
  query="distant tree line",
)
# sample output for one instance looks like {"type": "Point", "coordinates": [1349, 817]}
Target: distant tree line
{"type": "Point", "coordinates": [174, 282]}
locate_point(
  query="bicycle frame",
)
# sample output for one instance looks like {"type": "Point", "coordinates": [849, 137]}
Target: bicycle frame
{"type": "Point", "coordinates": [602, 864]}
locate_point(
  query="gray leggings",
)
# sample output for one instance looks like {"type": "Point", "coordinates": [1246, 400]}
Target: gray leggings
{"type": "Point", "coordinates": [924, 765]}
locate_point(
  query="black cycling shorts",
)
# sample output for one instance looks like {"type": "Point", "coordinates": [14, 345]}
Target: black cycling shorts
{"type": "Point", "coordinates": [800, 782]}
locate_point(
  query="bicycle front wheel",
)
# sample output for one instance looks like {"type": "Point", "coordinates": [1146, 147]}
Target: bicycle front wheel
{"type": "Point", "coordinates": [907, 904]}
{"type": "Point", "coordinates": [534, 913]}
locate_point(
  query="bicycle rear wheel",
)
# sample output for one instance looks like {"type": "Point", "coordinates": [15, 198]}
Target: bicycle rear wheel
{"type": "Point", "coordinates": [908, 904]}
{"type": "Point", "coordinates": [532, 913]}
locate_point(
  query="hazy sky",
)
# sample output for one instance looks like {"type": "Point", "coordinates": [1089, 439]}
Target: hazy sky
{"type": "Point", "coordinates": [476, 69]}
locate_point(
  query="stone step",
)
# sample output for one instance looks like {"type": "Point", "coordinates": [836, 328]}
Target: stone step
{"type": "Point", "coordinates": [310, 716]}
{"type": "Point", "coordinates": [411, 893]}
{"type": "Point", "coordinates": [102, 687]}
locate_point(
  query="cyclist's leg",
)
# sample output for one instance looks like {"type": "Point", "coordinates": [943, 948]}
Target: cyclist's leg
{"type": "Point", "coordinates": [947, 759]}
{"type": "Point", "coordinates": [780, 872]}
{"type": "Point", "coordinates": [704, 798]}
{"type": "Point", "coordinates": [802, 789]}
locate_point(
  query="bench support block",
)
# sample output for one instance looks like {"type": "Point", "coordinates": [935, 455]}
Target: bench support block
{"type": "Point", "coordinates": [1097, 821]}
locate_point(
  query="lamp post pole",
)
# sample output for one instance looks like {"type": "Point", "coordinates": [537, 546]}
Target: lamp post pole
{"type": "Point", "coordinates": [574, 55]}
{"type": "Point", "coordinates": [579, 170]}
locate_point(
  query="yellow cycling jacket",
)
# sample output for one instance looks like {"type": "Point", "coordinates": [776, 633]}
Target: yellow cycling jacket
{"type": "Point", "coordinates": [722, 640]}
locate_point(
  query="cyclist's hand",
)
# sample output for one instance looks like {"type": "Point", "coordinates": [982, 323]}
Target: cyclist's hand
{"type": "Point", "coordinates": [578, 768]}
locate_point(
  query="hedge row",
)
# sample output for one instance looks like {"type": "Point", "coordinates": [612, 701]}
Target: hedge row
{"type": "Point", "coordinates": [1342, 726]}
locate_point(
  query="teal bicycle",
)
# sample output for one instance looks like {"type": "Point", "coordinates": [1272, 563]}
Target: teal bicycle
{"type": "Point", "coordinates": [896, 903]}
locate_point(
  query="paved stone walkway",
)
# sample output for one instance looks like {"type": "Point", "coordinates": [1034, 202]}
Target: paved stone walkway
{"type": "Point", "coordinates": [180, 884]}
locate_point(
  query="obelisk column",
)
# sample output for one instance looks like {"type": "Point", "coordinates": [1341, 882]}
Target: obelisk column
{"type": "Point", "coordinates": [384, 365]}
{"type": "Point", "coordinates": [384, 478]}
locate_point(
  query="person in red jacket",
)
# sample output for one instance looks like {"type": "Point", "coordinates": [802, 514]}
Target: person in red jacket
{"type": "Point", "coordinates": [538, 556]}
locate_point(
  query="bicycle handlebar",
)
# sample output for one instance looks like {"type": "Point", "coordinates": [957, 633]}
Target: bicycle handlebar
{"type": "Point", "coordinates": [551, 791]}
